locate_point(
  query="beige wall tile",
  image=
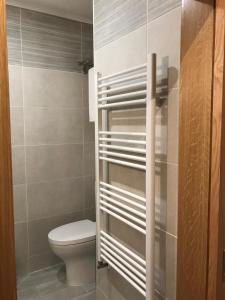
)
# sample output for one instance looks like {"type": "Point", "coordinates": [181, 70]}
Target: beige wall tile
{"type": "Point", "coordinates": [54, 162]}
{"type": "Point", "coordinates": [64, 89]}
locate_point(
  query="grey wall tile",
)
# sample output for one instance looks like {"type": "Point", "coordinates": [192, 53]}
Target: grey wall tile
{"type": "Point", "coordinates": [21, 240]}
{"type": "Point", "coordinates": [18, 164]}
{"type": "Point", "coordinates": [90, 214]}
{"type": "Point", "coordinates": [85, 91]}
{"type": "Point", "coordinates": [114, 19]}
{"type": "Point", "coordinates": [87, 41]}
{"type": "Point", "coordinates": [158, 8]}
{"type": "Point", "coordinates": [42, 261]}
{"type": "Point", "coordinates": [54, 162]}
{"type": "Point", "coordinates": [20, 206]}
{"type": "Point", "coordinates": [89, 159]}
{"type": "Point", "coordinates": [15, 86]}
{"type": "Point", "coordinates": [64, 89]}
{"type": "Point", "coordinates": [17, 125]}
{"type": "Point", "coordinates": [14, 35]}
{"type": "Point", "coordinates": [89, 192]}
{"type": "Point", "coordinates": [39, 229]}
{"type": "Point", "coordinates": [89, 128]}
{"type": "Point", "coordinates": [55, 198]}
{"type": "Point", "coordinates": [53, 126]}
{"type": "Point", "coordinates": [50, 42]}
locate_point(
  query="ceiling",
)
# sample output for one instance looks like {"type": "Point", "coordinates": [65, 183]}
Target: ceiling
{"type": "Point", "coordinates": [80, 10]}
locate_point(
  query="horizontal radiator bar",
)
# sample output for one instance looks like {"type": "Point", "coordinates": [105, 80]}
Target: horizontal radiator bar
{"type": "Point", "coordinates": [126, 149]}
{"type": "Point", "coordinates": [122, 191]}
{"type": "Point", "coordinates": [122, 133]}
{"type": "Point", "coordinates": [123, 79]}
{"type": "Point", "coordinates": [123, 96]}
{"type": "Point", "coordinates": [118, 203]}
{"type": "Point", "coordinates": [131, 202]}
{"type": "Point", "coordinates": [144, 66]}
{"type": "Point", "coordinates": [124, 248]}
{"type": "Point", "coordinates": [129, 103]}
{"type": "Point", "coordinates": [122, 88]}
{"type": "Point", "coordinates": [124, 275]}
{"type": "Point", "coordinates": [123, 163]}
{"type": "Point", "coordinates": [124, 220]}
{"type": "Point", "coordinates": [124, 255]}
{"type": "Point", "coordinates": [124, 141]}
{"type": "Point", "coordinates": [121, 155]}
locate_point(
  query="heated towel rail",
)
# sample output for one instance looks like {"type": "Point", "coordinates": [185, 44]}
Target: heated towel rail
{"type": "Point", "coordinates": [134, 87]}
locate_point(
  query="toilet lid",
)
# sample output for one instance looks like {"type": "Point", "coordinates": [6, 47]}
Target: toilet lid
{"type": "Point", "coordinates": [73, 233]}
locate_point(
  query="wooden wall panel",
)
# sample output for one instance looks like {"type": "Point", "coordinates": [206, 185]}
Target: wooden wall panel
{"type": "Point", "coordinates": [194, 147]}
{"type": "Point", "coordinates": [7, 251]}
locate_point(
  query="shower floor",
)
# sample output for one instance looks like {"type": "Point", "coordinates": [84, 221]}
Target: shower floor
{"type": "Point", "coordinates": [50, 284]}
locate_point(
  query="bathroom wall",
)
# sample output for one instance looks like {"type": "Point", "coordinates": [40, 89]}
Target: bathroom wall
{"type": "Point", "coordinates": [52, 139]}
{"type": "Point", "coordinates": [125, 35]}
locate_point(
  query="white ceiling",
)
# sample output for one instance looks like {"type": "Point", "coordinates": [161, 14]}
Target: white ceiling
{"type": "Point", "coordinates": [80, 10]}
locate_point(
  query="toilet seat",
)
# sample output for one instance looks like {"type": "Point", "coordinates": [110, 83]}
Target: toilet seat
{"type": "Point", "coordinates": [73, 233]}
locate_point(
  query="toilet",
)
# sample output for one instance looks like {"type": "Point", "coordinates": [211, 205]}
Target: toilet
{"type": "Point", "coordinates": [74, 243]}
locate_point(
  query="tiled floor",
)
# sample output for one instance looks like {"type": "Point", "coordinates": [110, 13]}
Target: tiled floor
{"type": "Point", "coordinates": [50, 284]}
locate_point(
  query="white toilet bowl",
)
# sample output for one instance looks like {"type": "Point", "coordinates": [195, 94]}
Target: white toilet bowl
{"type": "Point", "coordinates": [74, 243]}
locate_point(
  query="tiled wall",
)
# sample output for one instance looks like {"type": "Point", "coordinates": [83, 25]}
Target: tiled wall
{"type": "Point", "coordinates": [53, 141]}
{"type": "Point", "coordinates": [115, 50]}
{"type": "Point", "coordinates": [116, 18]}
{"type": "Point", "coordinates": [167, 26]}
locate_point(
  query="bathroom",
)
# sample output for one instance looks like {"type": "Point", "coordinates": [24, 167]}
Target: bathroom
{"type": "Point", "coordinates": [97, 114]}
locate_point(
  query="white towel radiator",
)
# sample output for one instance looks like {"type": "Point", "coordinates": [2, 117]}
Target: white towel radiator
{"type": "Point", "coordinates": [134, 87]}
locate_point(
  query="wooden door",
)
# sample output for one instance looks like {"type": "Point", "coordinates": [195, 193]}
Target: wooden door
{"type": "Point", "coordinates": [7, 248]}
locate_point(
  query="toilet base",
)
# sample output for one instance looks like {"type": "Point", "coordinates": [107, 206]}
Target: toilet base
{"type": "Point", "coordinates": [80, 262]}
{"type": "Point", "coordinates": [80, 272]}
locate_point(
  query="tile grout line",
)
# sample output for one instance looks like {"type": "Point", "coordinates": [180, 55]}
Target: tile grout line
{"type": "Point", "coordinates": [24, 133]}
{"type": "Point", "coordinates": [83, 183]}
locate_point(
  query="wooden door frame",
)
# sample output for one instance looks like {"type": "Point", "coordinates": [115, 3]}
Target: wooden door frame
{"type": "Point", "coordinates": [196, 77]}
{"type": "Point", "coordinates": [7, 244]}
{"type": "Point", "coordinates": [216, 284]}
{"type": "Point", "coordinates": [201, 229]}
